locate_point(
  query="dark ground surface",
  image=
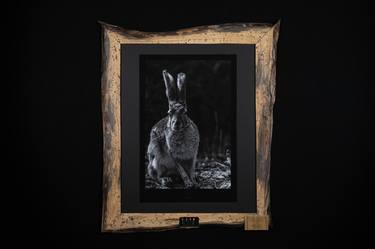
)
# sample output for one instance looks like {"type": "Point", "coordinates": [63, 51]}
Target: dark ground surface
{"type": "Point", "coordinates": [210, 174]}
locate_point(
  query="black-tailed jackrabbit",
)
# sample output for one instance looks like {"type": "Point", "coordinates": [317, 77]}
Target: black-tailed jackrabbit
{"type": "Point", "coordinates": [174, 140]}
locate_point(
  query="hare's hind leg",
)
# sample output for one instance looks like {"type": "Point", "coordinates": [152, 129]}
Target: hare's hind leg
{"type": "Point", "coordinates": [184, 169]}
{"type": "Point", "coordinates": [192, 172]}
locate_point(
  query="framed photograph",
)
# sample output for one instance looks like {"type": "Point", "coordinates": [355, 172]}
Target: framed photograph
{"type": "Point", "coordinates": [187, 125]}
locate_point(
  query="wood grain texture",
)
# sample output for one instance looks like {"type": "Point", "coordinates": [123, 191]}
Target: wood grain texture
{"type": "Point", "coordinates": [256, 222]}
{"type": "Point", "coordinates": [265, 37]}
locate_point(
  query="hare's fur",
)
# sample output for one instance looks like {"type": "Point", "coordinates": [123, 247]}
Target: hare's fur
{"type": "Point", "coordinates": [168, 145]}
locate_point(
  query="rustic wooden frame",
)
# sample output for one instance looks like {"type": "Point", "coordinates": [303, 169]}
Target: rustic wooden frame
{"type": "Point", "coordinates": [265, 37]}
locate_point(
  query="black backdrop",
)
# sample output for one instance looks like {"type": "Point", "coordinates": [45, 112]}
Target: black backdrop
{"type": "Point", "coordinates": [320, 149]}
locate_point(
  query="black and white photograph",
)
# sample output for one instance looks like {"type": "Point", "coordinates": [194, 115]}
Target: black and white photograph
{"type": "Point", "coordinates": [187, 121]}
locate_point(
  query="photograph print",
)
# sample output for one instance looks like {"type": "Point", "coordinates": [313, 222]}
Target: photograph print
{"type": "Point", "coordinates": [188, 120]}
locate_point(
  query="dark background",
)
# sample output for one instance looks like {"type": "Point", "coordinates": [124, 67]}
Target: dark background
{"type": "Point", "coordinates": [320, 177]}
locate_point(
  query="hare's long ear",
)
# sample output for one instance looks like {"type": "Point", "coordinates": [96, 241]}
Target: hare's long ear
{"type": "Point", "coordinates": [170, 86]}
{"type": "Point", "coordinates": [181, 84]}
